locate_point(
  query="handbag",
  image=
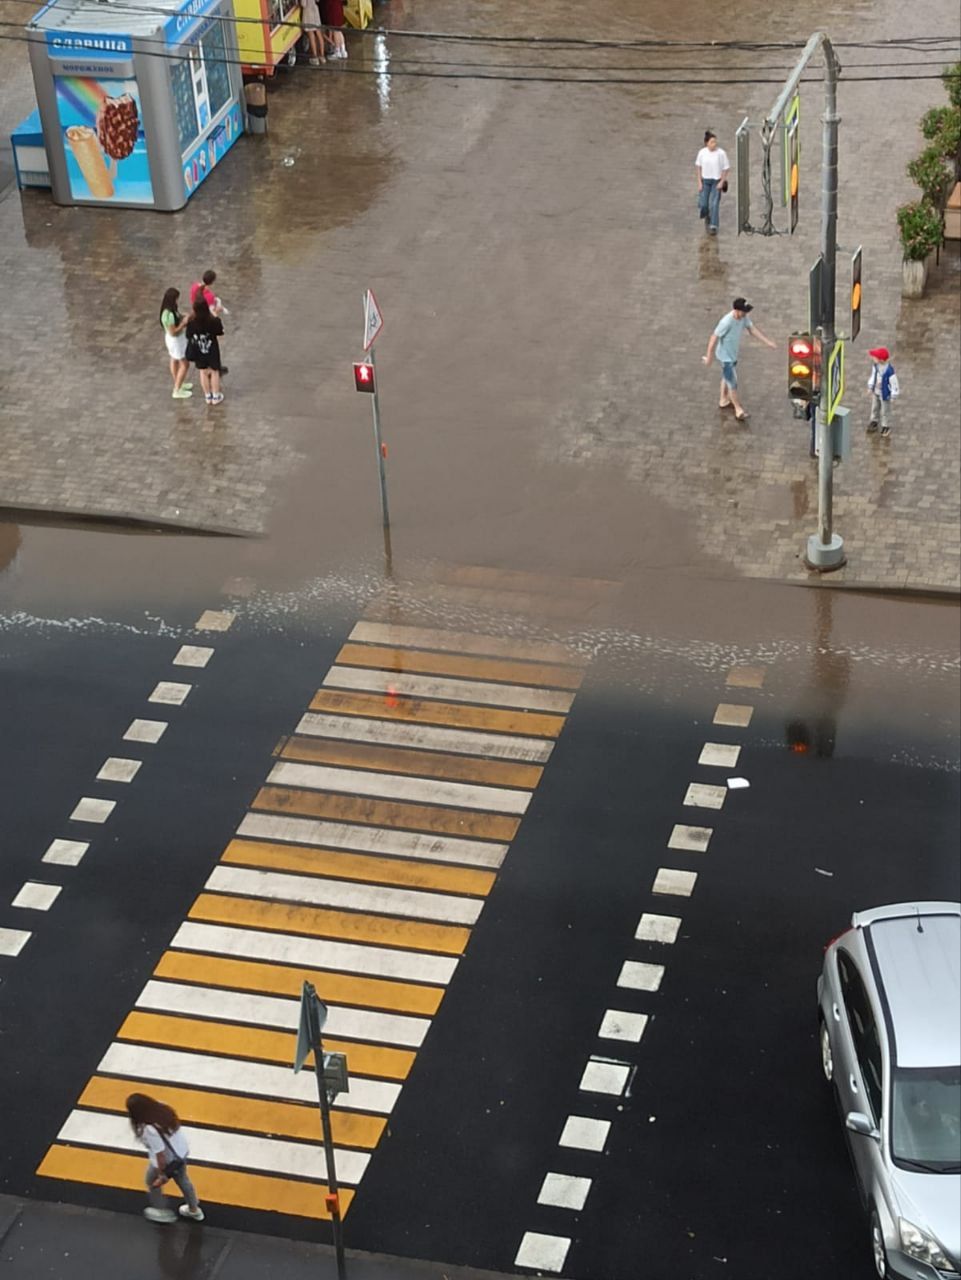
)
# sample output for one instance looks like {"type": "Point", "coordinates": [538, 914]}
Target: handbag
{"type": "Point", "coordinates": [724, 185]}
{"type": "Point", "coordinates": [174, 1166]}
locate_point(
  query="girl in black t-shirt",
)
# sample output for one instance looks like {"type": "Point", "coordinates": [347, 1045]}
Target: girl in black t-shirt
{"type": "Point", "coordinates": [203, 349]}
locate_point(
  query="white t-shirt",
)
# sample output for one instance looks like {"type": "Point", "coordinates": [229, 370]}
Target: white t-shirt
{"type": "Point", "coordinates": [712, 163]}
{"type": "Point", "coordinates": [155, 1143]}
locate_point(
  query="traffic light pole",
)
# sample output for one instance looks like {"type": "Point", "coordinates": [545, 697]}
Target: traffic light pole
{"type": "Point", "coordinates": [825, 549]}
{"type": "Point", "coordinates": [381, 462]}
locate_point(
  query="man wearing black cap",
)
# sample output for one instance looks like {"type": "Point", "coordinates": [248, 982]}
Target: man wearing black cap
{"type": "Point", "coordinates": [725, 343]}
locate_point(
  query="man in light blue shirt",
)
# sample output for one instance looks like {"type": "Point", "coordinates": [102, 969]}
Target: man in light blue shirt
{"type": "Point", "coordinates": [725, 344]}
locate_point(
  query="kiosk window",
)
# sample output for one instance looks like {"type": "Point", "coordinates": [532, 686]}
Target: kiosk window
{"type": "Point", "coordinates": [215, 65]}
{"type": "Point", "coordinates": [185, 107]}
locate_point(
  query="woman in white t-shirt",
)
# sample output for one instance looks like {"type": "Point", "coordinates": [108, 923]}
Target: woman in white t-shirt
{"type": "Point", "coordinates": [713, 167]}
{"type": "Point", "coordinates": [158, 1128]}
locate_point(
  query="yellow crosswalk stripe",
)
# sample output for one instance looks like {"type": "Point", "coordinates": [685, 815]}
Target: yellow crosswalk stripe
{"type": "Point", "coordinates": [258, 1043]}
{"type": "Point", "coordinates": [407, 760]}
{"type": "Point", "coordinates": [424, 662]}
{"type": "Point", "coordinates": [218, 1186]}
{"type": "Point", "coordinates": [236, 1111]}
{"type": "Point", "coordinates": [532, 724]}
{"type": "Point", "coordinates": [386, 813]}
{"type": "Point", "coordinates": [310, 860]}
{"type": "Point", "coordinates": [284, 980]}
{"type": "Point", "coordinates": [318, 922]}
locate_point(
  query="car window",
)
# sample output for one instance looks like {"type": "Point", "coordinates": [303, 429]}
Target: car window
{"type": "Point", "coordinates": [926, 1117]}
{"type": "Point", "coordinates": [864, 1031]}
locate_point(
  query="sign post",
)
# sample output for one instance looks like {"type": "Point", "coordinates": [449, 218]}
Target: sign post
{"type": "Point", "coordinates": [373, 323]}
{"type": "Point", "coordinates": [743, 187]}
{"type": "Point", "coordinates": [331, 1072]}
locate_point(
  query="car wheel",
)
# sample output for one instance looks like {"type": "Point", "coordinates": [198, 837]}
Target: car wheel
{"type": "Point", "coordinates": [827, 1056]}
{"type": "Point", "coordinates": [878, 1249]}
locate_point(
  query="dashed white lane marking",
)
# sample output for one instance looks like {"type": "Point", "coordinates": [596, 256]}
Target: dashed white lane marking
{"type": "Point", "coordinates": [215, 620]}
{"type": "Point", "coordinates": [217, 1146]}
{"type": "Point", "coordinates": [315, 953]}
{"type": "Point", "coordinates": [720, 754]}
{"type": "Point", "coordinates": [92, 810]}
{"type": "Point", "coordinates": [636, 975]}
{"type": "Point", "coordinates": [694, 839]}
{"type": "Point", "coordinates": [701, 795]}
{"type": "Point", "coordinates": [239, 1075]}
{"type": "Point", "coordinates": [734, 714]}
{"type": "Point", "coordinates": [564, 1191]}
{"type": "Point", "coordinates": [542, 1253]}
{"type": "Point", "coordinates": [275, 1011]}
{"type": "Point", "coordinates": [382, 840]}
{"type": "Point", "coordinates": [462, 742]}
{"type": "Point", "coordinates": [13, 941]}
{"type": "Point", "coordinates": [603, 1076]}
{"type": "Point", "coordinates": [584, 1133]}
{"type": "Point", "coordinates": [170, 693]}
{"type": "Point", "coordinates": [345, 895]}
{"type": "Point", "coordinates": [745, 677]}
{"type": "Point", "coordinates": [145, 731]}
{"type": "Point", "coordinates": [480, 693]}
{"type": "Point", "coordinates": [117, 769]}
{"type": "Point", "coordinates": [620, 1025]}
{"type": "Point", "coordinates": [65, 853]}
{"type": "Point", "coordinates": [393, 787]}
{"type": "Point", "coordinates": [655, 928]}
{"type": "Point", "coordinates": [36, 896]}
{"type": "Point", "coordinates": [403, 637]}
{"type": "Point", "coordinates": [671, 881]}
{"type": "Point", "coordinates": [192, 655]}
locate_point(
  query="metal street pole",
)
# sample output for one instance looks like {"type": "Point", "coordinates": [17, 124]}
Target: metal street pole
{"type": "Point", "coordinates": [825, 549]}
{"type": "Point", "coordinates": [381, 462]}
{"type": "Point", "coordinates": [333, 1198]}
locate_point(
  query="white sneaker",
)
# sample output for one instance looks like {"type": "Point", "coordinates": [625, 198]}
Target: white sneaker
{"type": "Point", "coordinates": [195, 1215]}
{"type": "Point", "coordinates": [159, 1215]}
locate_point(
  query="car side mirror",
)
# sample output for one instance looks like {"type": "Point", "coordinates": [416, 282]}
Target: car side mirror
{"type": "Point", "coordinates": [858, 1122]}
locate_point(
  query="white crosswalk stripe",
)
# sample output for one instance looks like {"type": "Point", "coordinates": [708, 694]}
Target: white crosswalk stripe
{"type": "Point", "coordinates": [236, 1075]}
{"type": "Point", "coordinates": [315, 953]}
{"type": "Point", "coordinates": [218, 1146]}
{"type": "Point", "coordinates": [478, 692]}
{"type": "Point", "coordinates": [461, 642]}
{"type": "Point", "coordinates": [390, 786]}
{"type": "Point", "coordinates": [274, 1011]}
{"type": "Point", "coordinates": [379, 840]}
{"type": "Point", "coordinates": [463, 742]}
{"type": "Point", "coordinates": [346, 895]}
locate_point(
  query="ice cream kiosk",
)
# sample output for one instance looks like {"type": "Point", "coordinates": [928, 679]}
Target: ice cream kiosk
{"type": "Point", "coordinates": [138, 104]}
{"type": "Point", "coordinates": [264, 33]}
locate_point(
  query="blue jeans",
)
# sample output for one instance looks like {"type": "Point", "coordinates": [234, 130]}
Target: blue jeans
{"type": "Point", "coordinates": [709, 200]}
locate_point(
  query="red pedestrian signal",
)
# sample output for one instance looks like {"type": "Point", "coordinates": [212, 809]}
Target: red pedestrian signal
{"type": "Point", "coordinates": [803, 368]}
{"type": "Point", "coordinates": [364, 377]}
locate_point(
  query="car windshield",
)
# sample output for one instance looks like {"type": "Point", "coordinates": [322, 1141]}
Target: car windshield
{"type": "Point", "coordinates": [926, 1117]}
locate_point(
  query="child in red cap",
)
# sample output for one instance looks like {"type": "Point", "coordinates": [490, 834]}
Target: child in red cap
{"type": "Point", "coordinates": [882, 388]}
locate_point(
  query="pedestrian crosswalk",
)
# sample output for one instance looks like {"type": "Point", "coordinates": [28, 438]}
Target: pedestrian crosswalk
{"type": "Point", "coordinates": [362, 865]}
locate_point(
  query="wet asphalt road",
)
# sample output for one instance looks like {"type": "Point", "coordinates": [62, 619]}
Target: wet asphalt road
{"type": "Point", "coordinates": [727, 1153]}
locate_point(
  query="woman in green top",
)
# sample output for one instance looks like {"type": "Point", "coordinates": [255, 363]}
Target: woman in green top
{"type": "Point", "coordinates": [175, 339]}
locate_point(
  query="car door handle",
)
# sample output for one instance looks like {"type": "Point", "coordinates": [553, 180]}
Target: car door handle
{"type": "Point", "coordinates": [853, 1083]}
{"type": "Point", "coordinates": [837, 1012]}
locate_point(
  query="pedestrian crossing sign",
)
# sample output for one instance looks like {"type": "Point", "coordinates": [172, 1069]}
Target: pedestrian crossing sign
{"type": "Point", "coordinates": [373, 319]}
{"type": "Point", "coordinates": [835, 379]}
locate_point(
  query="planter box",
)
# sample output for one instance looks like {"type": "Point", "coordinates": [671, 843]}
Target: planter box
{"type": "Point", "coordinates": [952, 214]}
{"type": "Point", "coordinates": [914, 276]}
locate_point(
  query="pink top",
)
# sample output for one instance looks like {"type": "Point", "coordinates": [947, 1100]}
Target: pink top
{"type": "Point", "coordinates": [199, 287]}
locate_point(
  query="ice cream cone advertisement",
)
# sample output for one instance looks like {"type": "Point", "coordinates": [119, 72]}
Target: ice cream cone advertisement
{"type": "Point", "coordinates": [103, 140]}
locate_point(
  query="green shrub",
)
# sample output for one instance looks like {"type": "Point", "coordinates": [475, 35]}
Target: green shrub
{"type": "Point", "coordinates": [921, 228]}
{"type": "Point", "coordinates": [952, 82]}
{"type": "Point", "coordinates": [932, 173]}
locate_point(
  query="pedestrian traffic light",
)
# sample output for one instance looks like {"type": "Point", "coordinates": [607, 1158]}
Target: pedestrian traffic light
{"type": "Point", "coordinates": [803, 368]}
{"type": "Point", "coordinates": [794, 172]}
{"type": "Point", "coordinates": [364, 377]}
{"type": "Point", "coordinates": [856, 294]}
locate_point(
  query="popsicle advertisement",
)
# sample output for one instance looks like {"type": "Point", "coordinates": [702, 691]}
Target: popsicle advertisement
{"type": "Point", "coordinates": [102, 123]}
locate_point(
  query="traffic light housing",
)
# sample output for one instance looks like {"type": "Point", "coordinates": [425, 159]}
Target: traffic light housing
{"type": "Point", "coordinates": [803, 368]}
{"type": "Point", "coordinates": [794, 172]}
{"type": "Point", "coordinates": [856, 295]}
{"type": "Point", "coordinates": [364, 377]}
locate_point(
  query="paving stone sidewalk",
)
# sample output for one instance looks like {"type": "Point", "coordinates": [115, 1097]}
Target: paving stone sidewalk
{"type": "Point", "coordinates": [582, 301]}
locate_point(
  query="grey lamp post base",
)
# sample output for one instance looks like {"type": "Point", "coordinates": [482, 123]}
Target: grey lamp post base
{"type": "Point", "coordinates": [825, 556]}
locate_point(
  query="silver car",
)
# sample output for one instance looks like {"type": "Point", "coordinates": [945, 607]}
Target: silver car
{"type": "Point", "coordinates": [889, 1004]}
